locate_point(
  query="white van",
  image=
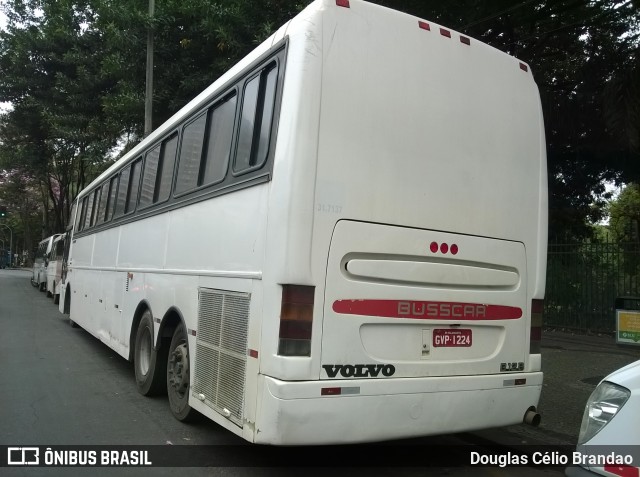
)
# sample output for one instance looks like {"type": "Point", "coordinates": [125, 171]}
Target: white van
{"type": "Point", "coordinates": [39, 273]}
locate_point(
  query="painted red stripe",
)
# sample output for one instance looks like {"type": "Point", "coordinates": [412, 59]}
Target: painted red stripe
{"type": "Point", "coordinates": [427, 310]}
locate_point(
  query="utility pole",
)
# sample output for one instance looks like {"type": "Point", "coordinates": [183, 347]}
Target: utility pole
{"type": "Point", "coordinates": [148, 99]}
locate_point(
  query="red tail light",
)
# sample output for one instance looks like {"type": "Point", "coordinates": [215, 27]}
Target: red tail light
{"type": "Point", "coordinates": [296, 319]}
{"type": "Point", "coordinates": [537, 307]}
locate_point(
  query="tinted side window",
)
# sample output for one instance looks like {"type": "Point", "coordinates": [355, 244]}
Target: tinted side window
{"type": "Point", "coordinates": [247, 124]}
{"type": "Point", "coordinates": [165, 171]}
{"type": "Point", "coordinates": [123, 187]}
{"type": "Point", "coordinates": [96, 206]}
{"type": "Point", "coordinates": [134, 186]}
{"type": "Point", "coordinates": [219, 138]}
{"type": "Point", "coordinates": [149, 176]}
{"type": "Point", "coordinates": [256, 119]}
{"type": "Point", "coordinates": [191, 154]}
{"type": "Point", "coordinates": [113, 189]}
{"type": "Point", "coordinates": [268, 104]}
{"type": "Point", "coordinates": [59, 249]}
{"type": "Point", "coordinates": [89, 212]}
{"type": "Point", "coordinates": [102, 207]}
{"type": "Point", "coordinates": [80, 217]}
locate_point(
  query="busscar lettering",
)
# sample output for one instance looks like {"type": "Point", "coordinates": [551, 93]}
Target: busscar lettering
{"type": "Point", "coordinates": [441, 310]}
{"type": "Point", "coordinates": [359, 370]}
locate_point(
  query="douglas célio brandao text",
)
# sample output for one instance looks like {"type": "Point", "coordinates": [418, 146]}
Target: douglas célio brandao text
{"type": "Point", "coordinates": [549, 458]}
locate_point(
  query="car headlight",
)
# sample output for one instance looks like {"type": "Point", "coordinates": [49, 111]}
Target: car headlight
{"type": "Point", "coordinates": [604, 403]}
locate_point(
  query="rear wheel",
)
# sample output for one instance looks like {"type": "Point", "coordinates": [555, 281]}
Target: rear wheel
{"type": "Point", "coordinates": [179, 376]}
{"type": "Point", "coordinates": [150, 364]}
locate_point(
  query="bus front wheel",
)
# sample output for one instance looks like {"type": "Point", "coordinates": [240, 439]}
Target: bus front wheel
{"type": "Point", "coordinates": [150, 365]}
{"type": "Point", "coordinates": [178, 376]}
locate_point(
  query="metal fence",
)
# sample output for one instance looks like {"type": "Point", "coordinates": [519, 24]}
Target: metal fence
{"type": "Point", "coordinates": [583, 281]}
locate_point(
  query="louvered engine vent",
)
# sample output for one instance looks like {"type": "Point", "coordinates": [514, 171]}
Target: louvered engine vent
{"type": "Point", "coordinates": [221, 351]}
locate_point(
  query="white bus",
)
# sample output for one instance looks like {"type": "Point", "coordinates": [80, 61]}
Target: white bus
{"type": "Point", "coordinates": [341, 240]}
{"type": "Point", "coordinates": [41, 262]}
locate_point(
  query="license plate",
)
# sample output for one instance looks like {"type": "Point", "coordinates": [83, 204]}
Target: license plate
{"type": "Point", "coordinates": [451, 338]}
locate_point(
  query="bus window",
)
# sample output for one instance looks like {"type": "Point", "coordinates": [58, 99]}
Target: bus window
{"type": "Point", "coordinates": [134, 187]}
{"type": "Point", "coordinates": [191, 154]}
{"type": "Point", "coordinates": [113, 189]}
{"type": "Point", "coordinates": [165, 170]}
{"type": "Point", "coordinates": [123, 187]}
{"type": "Point", "coordinates": [149, 176]}
{"type": "Point", "coordinates": [256, 120]}
{"type": "Point", "coordinates": [219, 141]}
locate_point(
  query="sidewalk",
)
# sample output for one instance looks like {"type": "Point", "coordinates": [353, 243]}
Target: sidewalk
{"type": "Point", "coordinates": [573, 365]}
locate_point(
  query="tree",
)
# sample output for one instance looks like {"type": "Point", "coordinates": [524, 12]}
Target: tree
{"type": "Point", "coordinates": [20, 195]}
{"type": "Point", "coordinates": [624, 220]}
{"type": "Point", "coordinates": [624, 214]}
{"type": "Point", "coordinates": [74, 72]}
{"type": "Point", "coordinates": [55, 133]}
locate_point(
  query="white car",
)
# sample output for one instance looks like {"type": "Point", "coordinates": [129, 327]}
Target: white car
{"type": "Point", "coordinates": [609, 440]}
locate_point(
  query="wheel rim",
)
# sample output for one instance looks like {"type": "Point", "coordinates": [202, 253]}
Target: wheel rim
{"type": "Point", "coordinates": [179, 370]}
{"type": "Point", "coordinates": [144, 353]}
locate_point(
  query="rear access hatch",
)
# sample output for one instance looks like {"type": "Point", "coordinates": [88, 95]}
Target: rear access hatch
{"type": "Point", "coordinates": [405, 302]}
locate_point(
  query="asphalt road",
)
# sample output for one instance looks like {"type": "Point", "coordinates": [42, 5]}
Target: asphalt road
{"type": "Point", "coordinates": [573, 365]}
{"type": "Point", "coordinates": [61, 386]}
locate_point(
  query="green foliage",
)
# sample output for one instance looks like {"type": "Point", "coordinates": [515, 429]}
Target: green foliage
{"type": "Point", "coordinates": [75, 74]}
{"type": "Point", "coordinates": [624, 214]}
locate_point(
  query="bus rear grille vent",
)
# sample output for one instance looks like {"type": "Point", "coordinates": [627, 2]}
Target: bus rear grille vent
{"type": "Point", "coordinates": [221, 351]}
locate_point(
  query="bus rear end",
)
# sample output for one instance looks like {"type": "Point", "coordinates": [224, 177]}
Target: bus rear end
{"type": "Point", "coordinates": [428, 245]}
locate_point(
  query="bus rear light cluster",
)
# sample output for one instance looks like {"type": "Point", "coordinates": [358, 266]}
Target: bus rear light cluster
{"type": "Point", "coordinates": [444, 248]}
{"type": "Point", "coordinates": [296, 320]}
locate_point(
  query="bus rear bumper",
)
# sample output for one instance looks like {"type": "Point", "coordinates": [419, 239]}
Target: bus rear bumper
{"type": "Point", "coordinates": [298, 413]}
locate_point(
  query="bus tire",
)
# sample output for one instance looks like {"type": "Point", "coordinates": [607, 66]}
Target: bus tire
{"type": "Point", "coordinates": [150, 364]}
{"type": "Point", "coordinates": [178, 376]}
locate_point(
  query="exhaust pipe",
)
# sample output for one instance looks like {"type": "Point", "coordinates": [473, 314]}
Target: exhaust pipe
{"type": "Point", "coordinates": [531, 417]}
